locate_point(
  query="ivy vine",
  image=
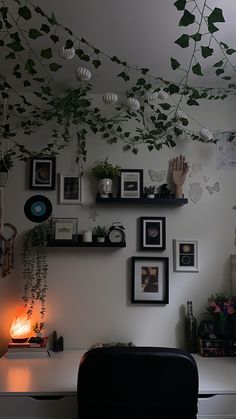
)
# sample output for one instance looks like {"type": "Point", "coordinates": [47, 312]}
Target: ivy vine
{"type": "Point", "coordinates": [157, 123]}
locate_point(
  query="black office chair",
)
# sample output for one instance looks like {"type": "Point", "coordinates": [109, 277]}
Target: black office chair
{"type": "Point", "coordinates": [137, 383]}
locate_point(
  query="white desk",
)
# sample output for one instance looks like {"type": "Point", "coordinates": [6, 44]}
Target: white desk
{"type": "Point", "coordinates": [25, 381]}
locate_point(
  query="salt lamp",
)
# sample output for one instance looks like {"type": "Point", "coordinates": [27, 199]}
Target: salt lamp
{"type": "Point", "coordinates": [21, 326]}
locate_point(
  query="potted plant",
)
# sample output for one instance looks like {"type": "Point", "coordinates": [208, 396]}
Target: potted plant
{"type": "Point", "coordinates": [105, 173]}
{"type": "Point", "coordinates": [221, 307]}
{"type": "Point", "coordinates": [150, 191]}
{"type": "Point", "coordinates": [100, 232]}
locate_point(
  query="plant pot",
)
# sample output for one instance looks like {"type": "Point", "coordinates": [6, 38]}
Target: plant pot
{"type": "Point", "coordinates": [105, 187]}
{"type": "Point", "coordinates": [100, 239]}
{"type": "Point", "coordinates": [151, 196]}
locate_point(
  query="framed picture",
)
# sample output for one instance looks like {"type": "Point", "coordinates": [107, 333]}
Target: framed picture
{"type": "Point", "coordinates": [131, 183]}
{"type": "Point", "coordinates": [70, 189]}
{"type": "Point", "coordinates": [150, 280]}
{"type": "Point", "coordinates": [185, 255]}
{"type": "Point", "coordinates": [42, 173]}
{"type": "Point", "coordinates": [63, 229]}
{"type": "Point", "coordinates": [152, 233]}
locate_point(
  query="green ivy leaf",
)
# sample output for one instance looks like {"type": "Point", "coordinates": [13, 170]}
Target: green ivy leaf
{"type": "Point", "coordinates": [10, 56]}
{"type": "Point", "coordinates": [69, 44]}
{"type": "Point", "coordinates": [124, 76]}
{"type": "Point", "coordinates": [206, 51]}
{"type": "Point", "coordinates": [212, 28]}
{"type": "Point", "coordinates": [187, 19]}
{"type": "Point", "coordinates": [227, 78]}
{"type": "Point", "coordinates": [29, 66]}
{"type": "Point", "coordinates": [165, 106]}
{"type": "Point", "coordinates": [38, 10]}
{"type": "Point", "coordinates": [26, 83]}
{"type": "Point", "coordinates": [141, 81]}
{"type": "Point", "coordinates": [15, 36]}
{"type": "Point", "coordinates": [183, 41]}
{"type": "Point", "coordinates": [224, 45]}
{"type": "Point", "coordinates": [46, 90]}
{"type": "Point", "coordinates": [196, 37]}
{"type": "Point", "coordinates": [16, 46]}
{"type": "Point", "coordinates": [230, 51]}
{"type": "Point", "coordinates": [173, 88]}
{"type": "Point", "coordinates": [115, 60]}
{"type": "Point", "coordinates": [216, 16]}
{"type": "Point", "coordinates": [218, 64]}
{"type": "Point", "coordinates": [144, 71]}
{"type": "Point", "coordinates": [192, 102]}
{"type": "Point", "coordinates": [54, 38]}
{"type": "Point", "coordinates": [55, 67]}
{"type": "Point", "coordinates": [196, 69]}
{"type": "Point", "coordinates": [180, 4]}
{"type": "Point", "coordinates": [96, 63]}
{"type": "Point", "coordinates": [24, 12]}
{"type": "Point", "coordinates": [219, 71]}
{"type": "Point", "coordinates": [34, 33]}
{"type": "Point", "coordinates": [46, 53]}
{"type": "Point", "coordinates": [174, 63]}
{"type": "Point", "coordinates": [45, 28]}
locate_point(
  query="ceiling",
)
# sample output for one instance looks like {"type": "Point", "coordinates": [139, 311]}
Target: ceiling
{"type": "Point", "coordinates": [141, 32]}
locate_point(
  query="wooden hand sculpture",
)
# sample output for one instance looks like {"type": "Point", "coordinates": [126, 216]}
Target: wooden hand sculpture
{"type": "Point", "coordinates": [179, 170]}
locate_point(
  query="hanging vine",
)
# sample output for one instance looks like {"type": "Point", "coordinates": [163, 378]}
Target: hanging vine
{"type": "Point", "coordinates": [154, 103]}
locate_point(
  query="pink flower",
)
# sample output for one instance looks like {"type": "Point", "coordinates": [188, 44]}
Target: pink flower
{"type": "Point", "coordinates": [217, 309]}
{"type": "Point", "coordinates": [231, 310]}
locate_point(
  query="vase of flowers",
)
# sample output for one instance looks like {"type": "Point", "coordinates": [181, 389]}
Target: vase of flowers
{"type": "Point", "coordinates": [105, 172]}
{"type": "Point", "coordinates": [221, 307]}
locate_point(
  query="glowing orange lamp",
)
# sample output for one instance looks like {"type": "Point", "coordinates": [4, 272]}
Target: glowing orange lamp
{"type": "Point", "coordinates": [21, 326]}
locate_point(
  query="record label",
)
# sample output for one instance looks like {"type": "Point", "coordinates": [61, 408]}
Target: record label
{"type": "Point", "coordinates": [38, 208]}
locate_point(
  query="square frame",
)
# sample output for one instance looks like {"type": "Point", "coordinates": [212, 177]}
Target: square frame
{"type": "Point", "coordinates": [130, 183]}
{"type": "Point", "coordinates": [150, 280]}
{"type": "Point", "coordinates": [63, 229]}
{"type": "Point", "coordinates": [152, 233]}
{"type": "Point", "coordinates": [185, 254]}
{"type": "Point", "coordinates": [42, 173]}
{"type": "Point", "coordinates": [70, 191]}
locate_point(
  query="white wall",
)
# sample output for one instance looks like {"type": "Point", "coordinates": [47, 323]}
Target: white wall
{"type": "Point", "coordinates": [89, 289]}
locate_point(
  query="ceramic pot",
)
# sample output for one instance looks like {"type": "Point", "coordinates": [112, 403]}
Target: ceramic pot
{"type": "Point", "coordinates": [100, 239]}
{"type": "Point", "coordinates": [150, 196]}
{"type": "Point", "coordinates": [105, 187]}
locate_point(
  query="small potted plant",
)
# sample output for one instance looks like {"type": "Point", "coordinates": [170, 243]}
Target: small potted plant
{"type": "Point", "coordinates": [100, 233]}
{"type": "Point", "coordinates": [105, 173]}
{"type": "Point", "coordinates": [150, 191]}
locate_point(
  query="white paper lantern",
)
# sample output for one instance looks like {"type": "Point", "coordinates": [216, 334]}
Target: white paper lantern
{"type": "Point", "coordinates": [67, 53]}
{"type": "Point", "coordinates": [206, 135]}
{"type": "Point", "coordinates": [110, 98]}
{"type": "Point", "coordinates": [84, 73]}
{"type": "Point", "coordinates": [151, 96]}
{"type": "Point", "coordinates": [180, 115]}
{"type": "Point", "coordinates": [133, 104]}
{"type": "Point", "coordinates": [162, 95]}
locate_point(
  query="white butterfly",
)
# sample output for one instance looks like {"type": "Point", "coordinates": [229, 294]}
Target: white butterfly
{"type": "Point", "coordinates": [157, 176]}
{"type": "Point", "coordinates": [214, 188]}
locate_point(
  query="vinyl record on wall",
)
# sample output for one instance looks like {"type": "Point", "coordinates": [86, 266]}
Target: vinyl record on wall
{"type": "Point", "coordinates": [38, 208]}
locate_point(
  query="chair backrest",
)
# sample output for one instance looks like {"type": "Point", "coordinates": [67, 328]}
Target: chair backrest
{"type": "Point", "coordinates": [137, 383]}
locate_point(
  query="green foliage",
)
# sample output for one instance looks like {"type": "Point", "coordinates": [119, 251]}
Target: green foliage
{"type": "Point", "coordinates": [100, 231]}
{"type": "Point", "coordinates": [150, 190]}
{"type": "Point", "coordinates": [104, 169]}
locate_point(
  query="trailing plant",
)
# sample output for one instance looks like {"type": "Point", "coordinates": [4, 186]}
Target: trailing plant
{"type": "Point", "coordinates": [104, 169]}
{"type": "Point", "coordinates": [35, 267]}
{"type": "Point", "coordinates": [158, 122]}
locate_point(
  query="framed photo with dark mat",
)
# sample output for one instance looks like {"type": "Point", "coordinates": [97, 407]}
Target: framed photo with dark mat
{"type": "Point", "coordinates": [70, 189]}
{"type": "Point", "coordinates": [42, 173]}
{"type": "Point", "coordinates": [185, 255]}
{"type": "Point", "coordinates": [150, 280]}
{"type": "Point", "coordinates": [152, 233]}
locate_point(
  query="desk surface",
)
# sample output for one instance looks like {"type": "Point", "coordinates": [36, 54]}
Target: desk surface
{"type": "Point", "coordinates": [57, 375]}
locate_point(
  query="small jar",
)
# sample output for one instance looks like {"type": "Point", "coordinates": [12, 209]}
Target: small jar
{"type": "Point", "coordinates": [87, 236]}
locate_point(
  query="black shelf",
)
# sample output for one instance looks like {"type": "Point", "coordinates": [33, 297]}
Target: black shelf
{"type": "Point", "coordinates": [142, 201]}
{"type": "Point", "coordinates": [79, 243]}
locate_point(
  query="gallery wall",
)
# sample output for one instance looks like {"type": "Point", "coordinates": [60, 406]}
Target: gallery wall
{"type": "Point", "coordinates": [89, 289]}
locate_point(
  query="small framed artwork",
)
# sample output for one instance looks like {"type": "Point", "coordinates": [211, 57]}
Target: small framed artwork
{"type": "Point", "coordinates": [42, 173]}
{"type": "Point", "coordinates": [130, 183]}
{"type": "Point", "coordinates": [150, 280]}
{"type": "Point", "coordinates": [70, 189]}
{"type": "Point", "coordinates": [185, 255]}
{"type": "Point", "coordinates": [63, 229]}
{"type": "Point", "coordinates": [152, 233]}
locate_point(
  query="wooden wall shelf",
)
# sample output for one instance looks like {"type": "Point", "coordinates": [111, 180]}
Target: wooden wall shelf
{"type": "Point", "coordinates": [142, 201]}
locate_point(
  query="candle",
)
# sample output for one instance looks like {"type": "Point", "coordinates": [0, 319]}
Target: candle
{"type": "Point", "coordinates": [87, 236]}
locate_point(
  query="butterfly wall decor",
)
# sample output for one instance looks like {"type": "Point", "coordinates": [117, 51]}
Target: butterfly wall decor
{"type": "Point", "coordinates": [214, 188]}
{"type": "Point", "coordinates": [157, 176]}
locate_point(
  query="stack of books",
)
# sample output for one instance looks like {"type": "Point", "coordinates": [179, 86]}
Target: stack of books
{"type": "Point", "coordinates": [217, 347]}
{"type": "Point", "coordinates": [27, 350]}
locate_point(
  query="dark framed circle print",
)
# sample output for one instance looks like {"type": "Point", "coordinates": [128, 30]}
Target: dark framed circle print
{"type": "Point", "coordinates": [42, 173]}
{"type": "Point", "coordinates": [185, 255]}
{"type": "Point", "coordinates": [152, 233]}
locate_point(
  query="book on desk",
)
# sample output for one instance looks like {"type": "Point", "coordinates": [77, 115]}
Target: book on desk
{"type": "Point", "coordinates": [27, 350]}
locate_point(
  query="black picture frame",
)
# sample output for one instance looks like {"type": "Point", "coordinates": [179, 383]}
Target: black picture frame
{"type": "Point", "coordinates": [42, 173]}
{"type": "Point", "coordinates": [150, 280]}
{"type": "Point", "coordinates": [130, 184]}
{"type": "Point", "coordinates": [152, 233]}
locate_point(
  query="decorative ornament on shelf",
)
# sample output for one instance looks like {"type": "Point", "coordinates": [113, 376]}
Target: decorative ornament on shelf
{"type": "Point", "coordinates": [151, 96]}
{"type": "Point", "coordinates": [206, 135]}
{"type": "Point", "coordinates": [67, 53]}
{"type": "Point", "coordinates": [133, 104]}
{"type": "Point", "coordinates": [162, 95]}
{"type": "Point", "coordinates": [110, 98]}
{"type": "Point", "coordinates": [84, 73]}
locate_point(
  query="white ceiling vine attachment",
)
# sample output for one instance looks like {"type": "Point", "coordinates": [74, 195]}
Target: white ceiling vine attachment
{"type": "Point", "coordinates": [67, 53]}
{"type": "Point", "coordinates": [180, 115]}
{"type": "Point", "coordinates": [206, 135]}
{"type": "Point", "coordinates": [162, 95]}
{"type": "Point", "coordinates": [133, 104]}
{"type": "Point", "coordinates": [151, 96]}
{"type": "Point", "coordinates": [110, 98]}
{"type": "Point", "coordinates": [84, 73]}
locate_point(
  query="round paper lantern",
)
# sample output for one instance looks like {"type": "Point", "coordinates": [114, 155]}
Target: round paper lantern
{"type": "Point", "coordinates": [110, 98]}
{"type": "Point", "coordinates": [67, 53]}
{"type": "Point", "coordinates": [180, 115]}
{"type": "Point", "coordinates": [133, 104]}
{"type": "Point", "coordinates": [84, 73]}
{"type": "Point", "coordinates": [206, 135]}
{"type": "Point", "coordinates": [162, 95]}
{"type": "Point", "coordinates": [151, 96]}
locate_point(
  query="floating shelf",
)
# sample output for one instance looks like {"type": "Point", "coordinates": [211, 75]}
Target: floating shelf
{"type": "Point", "coordinates": [142, 201]}
{"type": "Point", "coordinates": [79, 243]}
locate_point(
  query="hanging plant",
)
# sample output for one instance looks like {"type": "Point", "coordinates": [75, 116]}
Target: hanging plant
{"type": "Point", "coordinates": [35, 267]}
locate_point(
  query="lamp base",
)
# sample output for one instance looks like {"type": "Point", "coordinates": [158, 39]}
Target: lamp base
{"type": "Point", "coordinates": [19, 340]}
